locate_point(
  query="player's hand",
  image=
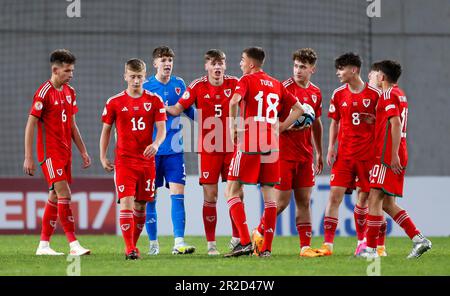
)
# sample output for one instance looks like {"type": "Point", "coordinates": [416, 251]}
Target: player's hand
{"type": "Point", "coordinates": [331, 156]}
{"type": "Point", "coordinates": [86, 160]}
{"type": "Point", "coordinates": [28, 166]}
{"type": "Point", "coordinates": [395, 165]}
{"type": "Point", "coordinates": [151, 150]}
{"type": "Point", "coordinates": [107, 165]}
{"type": "Point", "coordinates": [319, 164]}
{"type": "Point", "coordinates": [367, 117]}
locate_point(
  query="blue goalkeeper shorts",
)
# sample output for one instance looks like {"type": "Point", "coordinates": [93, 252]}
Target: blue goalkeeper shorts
{"type": "Point", "coordinates": [170, 168]}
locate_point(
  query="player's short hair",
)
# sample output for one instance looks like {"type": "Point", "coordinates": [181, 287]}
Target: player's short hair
{"type": "Point", "coordinates": [392, 69]}
{"type": "Point", "coordinates": [135, 65]}
{"type": "Point", "coordinates": [255, 53]}
{"type": "Point", "coordinates": [305, 55]}
{"type": "Point", "coordinates": [62, 56]}
{"type": "Point", "coordinates": [348, 59]}
{"type": "Point", "coordinates": [214, 55]}
{"type": "Point", "coordinates": [163, 51]}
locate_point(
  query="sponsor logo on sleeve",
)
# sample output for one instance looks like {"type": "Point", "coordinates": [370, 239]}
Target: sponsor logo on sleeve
{"type": "Point", "coordinates": [186, 95]}
{"type": "Point", "coordinates": [38, 106]}
{"type": "Point", "coordinates": [332, 108]}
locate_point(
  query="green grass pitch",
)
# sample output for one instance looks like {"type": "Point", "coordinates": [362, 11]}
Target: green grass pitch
{"type": "Point", "coordinates": [17, 258]}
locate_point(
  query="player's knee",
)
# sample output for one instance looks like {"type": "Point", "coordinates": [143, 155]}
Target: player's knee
{"type": "Point", "coordinates": [335, 199]}
{"type": "Point", "coordinates": [139, 205]}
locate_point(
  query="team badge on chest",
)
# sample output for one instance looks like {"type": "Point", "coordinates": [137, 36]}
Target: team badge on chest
{"type": "Point", "coordinates": [366, 102]}
{"type": "Point", "coordinates": [178, 90]}
{"type": "Point", "coordinates": [147, 106]}
{"type": "Point", "coordinates": [69, 99]}
{"type": "Point", "coordinates": [227, 92]}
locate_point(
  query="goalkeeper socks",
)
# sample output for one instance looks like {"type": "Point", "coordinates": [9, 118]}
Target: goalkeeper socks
{"type": "Point", "coordinates": [126, 225]}
{"type": "Point", "coordinates": [238, 215]}
{"type": "Point", "coordinates": [270, 220]}
{"type": "Point", "coordinates": [360, 215]}
{"type": "Point", "coordinates": [382, 234]}
{"type": "Point", "coordinates": [373, 229]}
{"type": "Point", "coordinates": [304, 232]}
{"type": "Point", "coordinates": [66, 218]}
{"type": "Point", "coordinates": [210, 220]}
{"type": "Point", "coordinates": [49, 220]}
{"type": "Point", "coordinates": [402, 218]}
{"type": "Point", "coordinates": [329, 226]}
{"type": "Point", "coordinates": [151, 220]}
{"type": "Point", "coordinates": [178, 215]}
{"type": "Point", "coordinates": [138, 224]}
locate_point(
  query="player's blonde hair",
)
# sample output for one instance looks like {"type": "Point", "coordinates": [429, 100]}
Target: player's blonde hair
{"type": "Point", "coordinates": [135, 65]}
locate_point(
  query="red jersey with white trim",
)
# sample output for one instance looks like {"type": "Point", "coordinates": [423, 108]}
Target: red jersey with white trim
{"type": "Point", "coordinates": [134, 119]}
{"type": "Point", "coordinates": [392, 103]}
{"type": "Point", "coordinates": [297, 145]}
{"type": "Point", "coordinates": [55, 109]}
{"type": "Point", "coordinates": [214, 102]}
{"type": "Point", "coordinates": [263, 98]}
{"type": "Point", "coordinates": [355, 136]}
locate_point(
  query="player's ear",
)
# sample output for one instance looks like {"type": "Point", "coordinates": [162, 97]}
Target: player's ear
{"type": "Point", "coordinates": [313, 69]}
{"type": "Point", "coordinates": [54, 69]}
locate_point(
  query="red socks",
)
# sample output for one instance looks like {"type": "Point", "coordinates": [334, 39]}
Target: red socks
{"type": "Point", "coordinates": [210, 221]}
{"type": "Point", "coordinates": [304, 232]}
{"type": "Point", "coordinates": [261, 225]}
{"type": "Point", "coordinates": [270, 220]}
{"type": "Point", "coordinates": [382, 234]}
{"type": "Point", "coordinates": [360, 215]}
{"type": "Point", "coordinates": [329, 226]}
{"type": "Point", "coordinates": [138, 224]}
{"type": "Point", "coordinates": [406, 223]}
{"type": "Point", "coordinates": [66, 218]}
{"type": "Point", "coordinates": [373, 229]}
{"type": "Point", "coordinates": [49, 220]}
{"type": "Point", "coordinates": [127, 227]}
{"type": "Point", "coordinates": [238, 215]}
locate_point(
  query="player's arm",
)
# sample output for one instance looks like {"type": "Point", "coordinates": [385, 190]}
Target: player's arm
{"type": "Point", "coordinates": [297, 111]}
{"type": "Point", "coordinates": [334, 128]}
{"type": "Point", "coordinates": [104, 143]}
{"type": "Point", "coordinates": [191, 112]}
{"type": "Point", "coordinates": [175, 110]}
{"type": "Point", "coordinates": [317, 131]}
{"type": "Point", "coordinates": [28, 164]}
{"type": "Point", "coordinates": [78, 140]}
{"type": "Point", "coordinates": [234, 104]}
{"type": "Point", "coordinates": [151, 149]}
{"type": "Point", "coordinates": [396, 134]}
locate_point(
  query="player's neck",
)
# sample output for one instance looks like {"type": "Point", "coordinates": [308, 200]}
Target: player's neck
{"type": "Point", "coordinates": [215, 82]}
{"type": "Point", "coordinates": [386, 85]}
{"type": "Point", "coordinates": [302, 84]}
{"type": "Point", "coordinates": [56, 84]}
{"type": "Point", "coordinates": [356, 85]}
{"type": "Point", "coordinates": [135, 93]}
{"type": "Point", "coordinates": [162, 78]}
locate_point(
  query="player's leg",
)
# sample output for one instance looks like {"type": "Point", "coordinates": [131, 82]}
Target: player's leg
{"type": "Point", "coordinates": [126, 221]}
{"type": "Point", "coordinates": [209, 213]}
{"type": "Point", "coordinates": [235, 240]}
{"type": "Point", "coordinates": [303, 221]}
{"type": "Point", "coordinates": [360, 213]}
{"type": "Point", "coordinates": [138, 220]}
{"type": "Point", "coordinates": [420, 243]}
{"type": "Point", "coordinates": [381, 248]}
{"type": "Point", "coordinates": [49, 220]}
{"type": "Point", "coordinates": [374, 222]}
{"type": "Point", "coordinates": [151, 217]}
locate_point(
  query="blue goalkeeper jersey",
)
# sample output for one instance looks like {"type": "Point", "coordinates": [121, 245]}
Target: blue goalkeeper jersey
{"type": "Point", "coordinates": [170, 92]}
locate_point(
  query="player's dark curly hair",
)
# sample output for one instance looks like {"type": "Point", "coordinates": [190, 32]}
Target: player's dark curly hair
{"type": "Point", "coordinates": [214, 55]}
{"type": "Point", "coordinates": [305, 55]}
{"type": "Point", "coordinates": [392, 69]}
{"type": "Point", "coordinates": [256, 53]}
{"type": "Point", "coordinates": [163, 51]}
{"type": "Point", "coordinates": [348, 59]}
{"type": "Point", "coordinates": [61, 56]}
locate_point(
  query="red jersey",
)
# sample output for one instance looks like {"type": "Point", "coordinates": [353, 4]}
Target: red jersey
{"type": "Point", "coordinates": [214, 103]}
{"type": "Point", "coordinates": [55, 109]}
{"type": "Point", "coordinates": [297, 145]}
{"type": "Point", "coordinates": [263, 98]}
{"type": "Point", "coordinates": [355, 136]}
{"type": "Point", "coordinates": [392, 103]}
{"type": "Point", "coordinates": [134, 118]}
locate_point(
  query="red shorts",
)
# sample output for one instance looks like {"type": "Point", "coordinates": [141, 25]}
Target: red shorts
{"type": "Point", "coordinates": [296, 174]}
{"type": "Point", "coordinates": [135, 181]}
{"type": "Point", "coordinates": [255, 168]}
{"type": "Point", "coordinates": [56, 170]}
{"type": "Point", "coordinates": [346, 172]}
{"type": "Point", "coordinates": [211, 166]}
{"type": "Point", "coordinates": [384, 178]}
